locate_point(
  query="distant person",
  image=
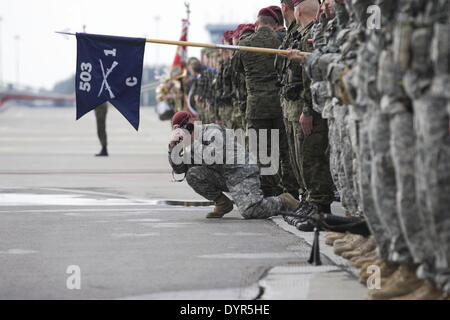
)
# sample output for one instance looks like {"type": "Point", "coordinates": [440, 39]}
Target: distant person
{"type": "Point", "coordinates": [100, 115]}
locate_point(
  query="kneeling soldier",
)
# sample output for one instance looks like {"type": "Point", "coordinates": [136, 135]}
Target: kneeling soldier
{"type": "Point", "coordinates": [213, 176]}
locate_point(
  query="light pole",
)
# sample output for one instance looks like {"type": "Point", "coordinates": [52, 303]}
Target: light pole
{"type": "Point", "coordinates": [157, 20]}
{"type": "Point", "coordinates": [17, 39]}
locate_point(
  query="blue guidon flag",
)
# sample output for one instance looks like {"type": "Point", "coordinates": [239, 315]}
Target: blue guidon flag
{"type": "Point", "coordinates": [109, 68]}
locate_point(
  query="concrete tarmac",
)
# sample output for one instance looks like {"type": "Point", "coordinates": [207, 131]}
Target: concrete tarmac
{"type": "Point", "coordinates": [62, 209]}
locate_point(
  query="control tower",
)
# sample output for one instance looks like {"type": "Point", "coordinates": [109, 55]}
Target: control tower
{"type": "Point", "coordinates": [216, 31]}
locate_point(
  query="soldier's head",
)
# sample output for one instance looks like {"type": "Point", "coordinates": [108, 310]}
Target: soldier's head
{"type": "Point", "coordinates": [183, 120]}
{"type": "Point", "coordinates": [194, 66]}
{"type": "Point", "coordinates": [328, 8]}
{"type": "Point", "coordinates": [267, 18]}
{"type": "Point", "coordinates": [287, 9]}
{"type": "Point", "coordinates": [279, 14]}
{"type": "Point", "coordinates": [243, 30]}
{"type": "Point", "coordinates": [305, 11]}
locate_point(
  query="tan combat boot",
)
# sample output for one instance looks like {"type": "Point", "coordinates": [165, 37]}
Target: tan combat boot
{"type": "Point", "coordinates": [370, 257]}
{"type": "Point", "coordinates": [354, 242]}
{"type": "Point", "coordinates": [344, 240]}
{"type": "Point", "coordinates": [223, 206]}
{"type": "Point", "coordinates": [386, 271]}
{"type": "Point", "coordinates": [369, 246]}
{"type": "Point", "coordinates": [402, 282]}
{"type": "Point", "coordinates": [426, 292]}
{"type": "Point", "coordinates": [331, 237]}
{"type": "Point", "coordinates": [289, 202]}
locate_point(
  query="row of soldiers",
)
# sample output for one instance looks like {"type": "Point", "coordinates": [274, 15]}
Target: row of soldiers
{"type": "Point", "coordinates": [366, 112]}
{"type": "Point", "coordinates": [379, 74]}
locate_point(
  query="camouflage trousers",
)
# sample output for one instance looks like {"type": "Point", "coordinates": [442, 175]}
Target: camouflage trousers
{"type": "Point", "coordinates": [271, 183]}
{"type": "Point", "coordinates": [342, 155]}
{"type": "Point", "coordinates": [100, 115]}
{"type": "Point", "coordinates": [313, 161]}
{"type": "Point", "coordinates": [384, 186]}
{"type": "Point", "coordinates": [201, 112]}
{"type": "Point", "coordinates": [225, 114]}
{"type": "Point", "coordinates": [433, 187]}
{"type": "Point", "coordinates": [403, 147]}
{"type": "Point", "coordinates": [237, 118]}
{"type": "Point", "coordinates": [247, 194]}
{"type": "Point", "coordinates": [290, 137]}
{"type": "Point", "coordinates": [376, 225]}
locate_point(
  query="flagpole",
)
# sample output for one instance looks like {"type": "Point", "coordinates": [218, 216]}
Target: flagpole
{"type": "Point", "coordinates": [222, 46]}
{"type": "Point", "coordinates": [188, 11]}
{"type": "Point", "coordinates": [214, 46]}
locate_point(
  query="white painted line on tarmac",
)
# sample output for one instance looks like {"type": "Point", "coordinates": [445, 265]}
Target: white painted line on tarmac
{"type": "Point", "coordinates": [17, 252]}
{"type": "Point", "coordinates": [135, 235]}
{"type": "Point", "coordinates": [143, 220]}
{"type": "Point", "coordinates": [252, 256]}
{"type": "Point", "coordinates": [238, 234]}
{"type": "Point", "coordinates": [79, 210]}
{"type": "Point", "coordinates": [248, 293]}
{"type": "Point", "coordinates": [167, 225]}
{"type": "Point", "coordinates": [27, 199]}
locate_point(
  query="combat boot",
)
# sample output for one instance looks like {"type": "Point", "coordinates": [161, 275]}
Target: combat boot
{"type": "Point", "coordinates": [289, 202]}
{"type": "Point", "coordinates": [355, 242]}
{"type": "Point", "coordinates": [331, 237]}
{"type": "Point", "coordinates": [359, 262]}
{"type": "Point", "coordinates": [103, 152]}
{"type": "Point", "coordinates": [386, 271]}
{"type": "Point", "coordinates": [307, 209]}
{"type": "Point", "coordinates": [369, 246]}
{"type": "Point", "coordinates": [402, 282]}
{"type": "Point", "coordinates": [223, 206]}
{"type": "Point", "coordinates": [344, 240]}
{"type": "Point", "coordinates": [426, 292]}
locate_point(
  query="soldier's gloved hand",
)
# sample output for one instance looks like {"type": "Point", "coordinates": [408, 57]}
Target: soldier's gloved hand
{"type": "Point", "coordinates": [306, 122]}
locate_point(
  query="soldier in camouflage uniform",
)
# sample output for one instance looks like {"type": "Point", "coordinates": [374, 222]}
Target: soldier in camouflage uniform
{"type": "Point", "coordinates": [424, 69]}
{"type": "Point", "coordinates": [263, 104]}
{"type": "Point", "coordinates": [289, 75]}
{"type": "Point", "coordinates": [212, 178]}
{"type": "Point", "coordinates": [312, 130]}
{"type": "Point", "coordinates": [202, 87]}
{"type": "Point", "coordinates": [227, 85]}
{"type": "Point", "coordinates": [239, 86]}
{"type": "Point", "coordinates": [401, 100]}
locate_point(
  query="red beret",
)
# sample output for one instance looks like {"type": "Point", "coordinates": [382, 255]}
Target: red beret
{"type": "Point", "coordinates": [245, 27]}
{"type": "Point", "coordinates": [269, 12]}
{"type": "Point", "coordinates": [228, 35]}
{"type": "Point", "coordinates": [237, 30]}
{"type": "Point", "coordinates": [181, 118]}
{"type": "Point", "coordinates": [296, 2]}
{"type": "Point", "coordinates": [279, 13]}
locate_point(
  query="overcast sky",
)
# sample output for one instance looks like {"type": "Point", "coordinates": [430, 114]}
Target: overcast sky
{"type": "Point", "coordinates": [46, 57]}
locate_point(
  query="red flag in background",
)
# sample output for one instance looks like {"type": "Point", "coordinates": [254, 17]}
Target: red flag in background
{"type": "Point", "coordinates": [179, 63]}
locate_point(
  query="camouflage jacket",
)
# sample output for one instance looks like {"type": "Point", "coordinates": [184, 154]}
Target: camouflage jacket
{"type": "Point", "coordinates": [303, 44]}
{"type": "Point", "coordinates": [227, 85]}
{"type": "Point", "coordinates": [235, 164]}
{"type": "Point", "coordinates": [289, 75]}
{"type": "Point", "coordinates": [263, 101]}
